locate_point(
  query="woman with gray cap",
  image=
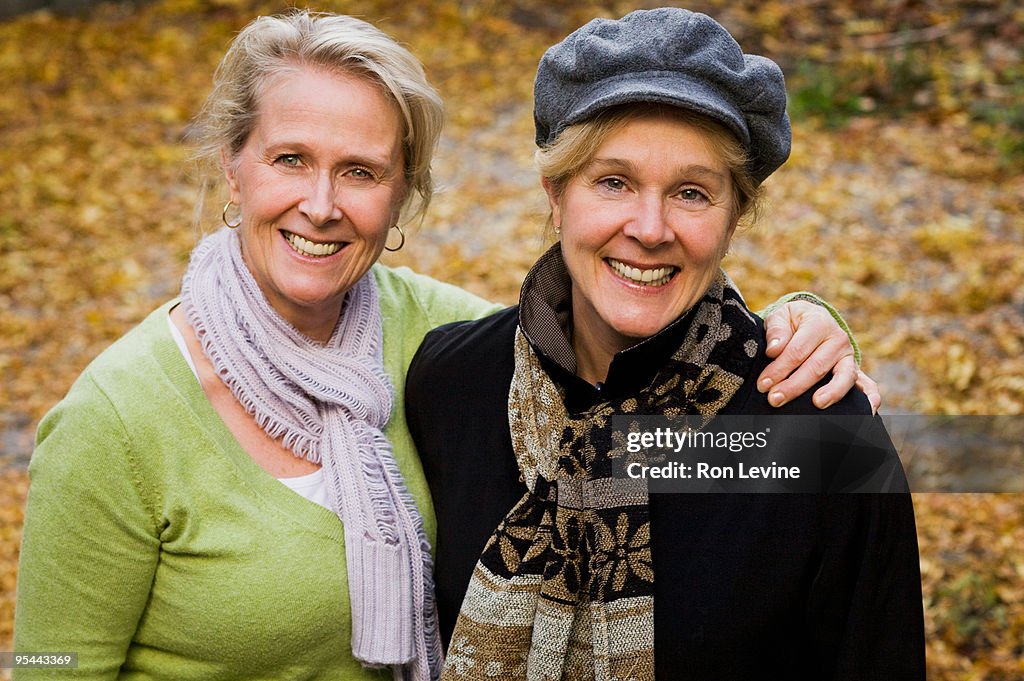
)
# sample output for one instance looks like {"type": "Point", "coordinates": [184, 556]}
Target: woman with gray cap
{"type": "Point", "coordinates": [655, 134]}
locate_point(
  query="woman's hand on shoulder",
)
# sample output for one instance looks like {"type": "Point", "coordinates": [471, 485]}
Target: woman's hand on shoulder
{"type": "Point", "coordinates": [806, 343]}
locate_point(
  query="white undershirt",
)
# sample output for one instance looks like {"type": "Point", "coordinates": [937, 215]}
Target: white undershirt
{"type": "Point", "coordinates": [311, 485]}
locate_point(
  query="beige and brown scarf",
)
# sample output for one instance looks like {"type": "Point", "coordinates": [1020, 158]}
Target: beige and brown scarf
{"type": "Point", "coordinates": [564, 587]}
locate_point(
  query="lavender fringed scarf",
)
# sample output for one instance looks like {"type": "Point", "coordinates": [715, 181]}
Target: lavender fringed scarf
{"type": "Point", "coordinates": [329, 404]}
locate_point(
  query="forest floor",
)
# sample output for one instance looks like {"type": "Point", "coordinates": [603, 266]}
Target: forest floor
{"type": "Point", "coordinates": [902, 204]}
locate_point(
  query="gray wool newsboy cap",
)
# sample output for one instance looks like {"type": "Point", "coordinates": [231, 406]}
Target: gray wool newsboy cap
{"type": "Point", "coordinates": [669, 56]}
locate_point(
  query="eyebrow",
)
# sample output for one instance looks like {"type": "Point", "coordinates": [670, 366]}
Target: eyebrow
{"type": "Point", "coordinates": [632, 168]}
{"type": "Point", "coordinates": [302, 146]}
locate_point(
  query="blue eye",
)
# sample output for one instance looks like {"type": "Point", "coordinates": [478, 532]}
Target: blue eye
{"type": "Point", "coordinates": [613, 183]}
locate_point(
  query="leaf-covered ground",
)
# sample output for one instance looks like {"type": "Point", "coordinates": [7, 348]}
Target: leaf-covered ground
{"type": "Point", "coordinates": [902, 204]}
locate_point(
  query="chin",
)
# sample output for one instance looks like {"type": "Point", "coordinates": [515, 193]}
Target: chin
{"type": "Point", "coordinates": [649, 319]}
{"type": "Point", "coordinates": [638, 330]}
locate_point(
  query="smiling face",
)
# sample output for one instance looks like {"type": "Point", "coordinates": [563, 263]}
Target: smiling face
{"type": "Point", "coordinates": [644, 227]}
{"type": "Point", "coordinates": [319, 182]}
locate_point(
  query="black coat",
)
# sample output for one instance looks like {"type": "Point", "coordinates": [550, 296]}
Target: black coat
{"type": "Point", "coordinates": [766, 586]}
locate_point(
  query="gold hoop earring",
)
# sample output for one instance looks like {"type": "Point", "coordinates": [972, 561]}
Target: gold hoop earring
{"type": "Point", "coordinates": [224, 216]}
{"type": "Point", "coordinates": [400, 244]}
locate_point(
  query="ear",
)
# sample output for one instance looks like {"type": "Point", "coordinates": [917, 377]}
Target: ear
{"type": "Point", "coordinates": [228, 167]}
{"type": "Point", "coordinates": [730, 232]}
{"type": "Point", "coordinates": [553, 203]}
{"type": "Point", "coordinates": [402, 201]}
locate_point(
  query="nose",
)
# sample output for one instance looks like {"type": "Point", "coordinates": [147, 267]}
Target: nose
{"type": "Point", "coordinates": [649, 224]}
{"type": "Point", "coordinates": [322, 202]}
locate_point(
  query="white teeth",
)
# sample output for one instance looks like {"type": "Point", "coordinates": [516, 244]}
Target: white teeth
{"type": "Point", "coordinates": [310, 248]}
{"type": "Point", "coordinates": [656, 277]}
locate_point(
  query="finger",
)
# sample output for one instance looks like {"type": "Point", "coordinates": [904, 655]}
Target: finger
{"type": "Point", "coordinates": [871, 389]}
{"type": "Point", "coordinates": [844, 377]}
{"type": "Point", "coordinates": [817, 366]}
{"type": "Point", "coordinates": [778, 329]}
{"type": "Point", "coordinates": [797, 351]}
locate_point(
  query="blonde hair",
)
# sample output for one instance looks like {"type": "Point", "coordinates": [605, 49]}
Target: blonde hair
{"type": "Point", "coordinates": [271, 45]}
{"type": "Point", "coordinates": [566, 157]}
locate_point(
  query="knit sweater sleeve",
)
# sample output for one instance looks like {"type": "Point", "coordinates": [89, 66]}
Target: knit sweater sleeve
{"type": "Point", "coordinates": [90, 543]}
{"type": "Point", "coordinates": [428, 301]}
{"type": "Point", "coordinates": [813, 298]}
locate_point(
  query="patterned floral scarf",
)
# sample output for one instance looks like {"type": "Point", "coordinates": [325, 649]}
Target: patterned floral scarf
{"type": "Point", "coordinates": [564, 588]}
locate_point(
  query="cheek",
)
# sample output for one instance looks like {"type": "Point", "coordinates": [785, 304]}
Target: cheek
{"type": "Point", "coordinates": [378, 238]}
{"type": "Point", "coordinates": [710, 245]}
{"type": "Point", "coordinates": [263, 198]}
{"type": "Point", "coordinates": [579, 247]}
{"type": "Point", "coordinates": [387, 208]}
{"type": "Point", "coordinates": [715, 252]}
{"type": "Point", "coordinates": [583, 231]}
